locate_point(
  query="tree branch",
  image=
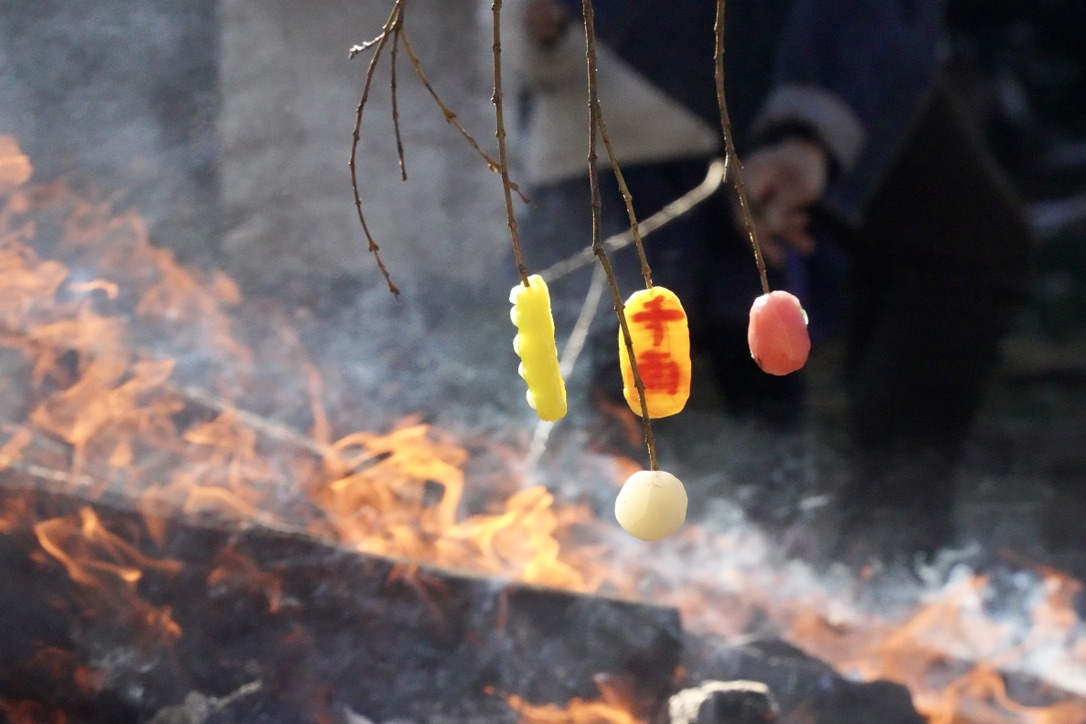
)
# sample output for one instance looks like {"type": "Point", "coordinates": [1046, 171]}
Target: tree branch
{"type": "Point", "coordinates": [597, 205]}
{"type": "Point", "coordinates": [391, 27]}
{"type": "Point", "coordinates": [735, 176]}
{"type": "Point", "coordinates": [503, 164]}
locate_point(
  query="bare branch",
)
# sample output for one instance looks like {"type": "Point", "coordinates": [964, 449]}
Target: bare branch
{"type": "Point", "coordinates": [627, 198]}
{"type": "Point", "coordinates": [397, 37]}
{"type": "Point", "coordinates": [736, 176]}
{"type": "Point", "coordinates": [356, 49]}
{"type": "Point", "coordinates": [714, 177]}
{"type": "Point", "coordinates": [450, 116]}
{"type": "Point", "coordinates": [379, 42]}
{"type": "Point", "coordinates": [503, 164]}
{"type": "Point", "coordinates": [394, 30]}
{"type": "Point", "coordinates": [269, 428]}
{"type": "Point", "coordinates": [597, 206]}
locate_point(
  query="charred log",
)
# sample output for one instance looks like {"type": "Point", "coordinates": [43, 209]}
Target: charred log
{"type": "Point", "coordinates": [322, 628]}
{"type": "Point", "coordinates": [724, 702]}
{"type": "Point", "coordinates": [802, 688]}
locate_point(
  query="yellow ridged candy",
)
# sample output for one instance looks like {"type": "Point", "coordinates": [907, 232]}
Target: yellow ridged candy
{"type": "Point", "coordinates": [538, 353]}
{"type": "Point", "coordinates": [661, 343]}
{"type": "Point", "coordinates": [651, 505]}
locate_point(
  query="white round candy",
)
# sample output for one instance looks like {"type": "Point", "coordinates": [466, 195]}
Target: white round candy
{"type": "Point", "coordinates": [513, 315]}
{"type": "Point", "coordinates": [531, 399]}
{"type": "Point", "coordinates": [651, 505]}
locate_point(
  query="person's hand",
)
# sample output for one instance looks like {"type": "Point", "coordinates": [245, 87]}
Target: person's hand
{"type": "Point", "coordinates": [545, 21]}
{"type": "Point", "coordinates": [782, 181]}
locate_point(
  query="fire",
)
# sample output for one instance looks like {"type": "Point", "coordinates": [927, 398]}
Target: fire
{"type": "Point", "coordinates": [90, 553]}
{"type": "Point", "coordinates": [110, 568]}
{"type": "Point", "coordinates": [399, 495]}
{"type": "Point", "coordinates": [577, 711]}
{"type": "Point", "coordinates": [396, 494]}
{"type": "Point", "coordinates": [110, 412]}
{"type": "Point", "coordinates": [951, 655]}
{"type": "Point", "coordinates": [108, 416]}
{"type": "Point", "coordinates": [618, 704]}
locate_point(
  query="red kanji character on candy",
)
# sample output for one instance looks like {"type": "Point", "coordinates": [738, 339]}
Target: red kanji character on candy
{"type": "Point", "coordinates": [659, 372]}
{"type": "Point", "coordinates": [658, 335]}
{"type": "Point", "coordinates": [655, 318]}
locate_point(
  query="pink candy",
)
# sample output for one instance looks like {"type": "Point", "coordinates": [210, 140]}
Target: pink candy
{"type": "Point", "coordinates": [777, 333]}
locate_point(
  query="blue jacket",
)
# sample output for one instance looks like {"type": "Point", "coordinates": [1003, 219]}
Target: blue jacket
{"type": "Point", "coordinates": [855, 73]}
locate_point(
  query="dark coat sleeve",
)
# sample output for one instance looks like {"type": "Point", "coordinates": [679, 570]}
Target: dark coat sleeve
{"type": "Point", "coordinates": [855, 70]}
{"type": "Point", "coordinates": [852, 69]}
{"type": "Point", "coordinates": [670, 42]}
{"type": "Point", "coordinates": [856, 73]}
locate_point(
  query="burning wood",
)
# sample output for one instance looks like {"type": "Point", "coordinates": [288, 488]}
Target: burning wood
{"type": "Point", "coordinates": [321, 627]}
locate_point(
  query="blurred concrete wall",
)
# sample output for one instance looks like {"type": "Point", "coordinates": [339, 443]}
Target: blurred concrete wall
{"type": "Point", "coordinates": [289, 95]}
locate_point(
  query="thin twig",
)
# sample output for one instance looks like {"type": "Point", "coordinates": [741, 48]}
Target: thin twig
{"type": "Point", "coordinates": [269, 428]}
{"type": "Point", "coordinates": [379, 42]}
{"type": "Point", "coordinates": [450, 116]}
{"type": "Point", "coordinates": [736, 175]}
{"type": "Point", "coordinates": [714, 177]}
{"type": "Point", "coordinates": [503, 165]}
{"type": "Point", "coordinates": [597, 205]}
{"type": "Point", "coordinates": [203, 398]}
{"type": "Point", "coordinates": [396, 38]}
{"type": "Point", "coordinates": [356, 49]}
{"type": "Point", "coordinates": [627, 199]}
{"type": "Point", "coordinates": [49, 475]}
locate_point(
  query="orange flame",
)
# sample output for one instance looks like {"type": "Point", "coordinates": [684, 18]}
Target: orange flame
{"type": "Point", "coordinates": [618, 704]}
{"type": "Point", "coordinates": [110, 567]}
{"type": "Point", "coordinates": [399, 495]}
{"type": "Point", "coordinates": [88, 550]}
{"type": "Point", "coordinates": [576, 711]}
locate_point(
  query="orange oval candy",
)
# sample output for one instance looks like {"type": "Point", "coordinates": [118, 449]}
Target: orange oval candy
{"type": "Point", "coordinates": [777, 333]}
{"type": "Point", "coordinates": [661, 343]}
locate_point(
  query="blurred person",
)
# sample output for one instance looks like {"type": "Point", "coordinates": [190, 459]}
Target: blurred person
{"type": "Point", "coordinates": [859, 156]}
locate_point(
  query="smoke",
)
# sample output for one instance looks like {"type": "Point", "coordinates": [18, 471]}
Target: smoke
{"type": "Point", "coordinates": [124, 95]}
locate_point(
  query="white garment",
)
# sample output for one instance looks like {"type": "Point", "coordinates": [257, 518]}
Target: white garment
{"type": "Point", "coordinates": [643, 123]}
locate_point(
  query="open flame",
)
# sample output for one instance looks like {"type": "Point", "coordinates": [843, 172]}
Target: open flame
{"type": "Point", "coordinates": [921, 649]}
{"type": "Point", "coordinates": [108, 413]}
{"type": "Point", "coordinates": [577, 711]}
{"type": "Point", "coordinates": [107, 570]}
{"type": "Point", "coordinates": [617, 704]}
